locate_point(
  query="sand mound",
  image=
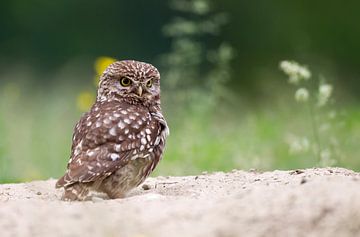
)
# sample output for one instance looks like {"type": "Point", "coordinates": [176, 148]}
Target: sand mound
{"type": "Point", "coordinates": [312, 202]}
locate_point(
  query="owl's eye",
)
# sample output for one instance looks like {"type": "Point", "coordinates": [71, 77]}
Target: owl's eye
{"type": "Point", "coordinates": [125, 81]}
{"type": "Point", "coordinates": [149, 83]}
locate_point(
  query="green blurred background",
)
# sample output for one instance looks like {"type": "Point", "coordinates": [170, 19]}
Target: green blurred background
{"type": "Point", "coordinates": [227, 103]}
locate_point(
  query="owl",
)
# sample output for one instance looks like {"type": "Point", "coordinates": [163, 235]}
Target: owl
{"type": "Point", "coordinates": [119, 142]}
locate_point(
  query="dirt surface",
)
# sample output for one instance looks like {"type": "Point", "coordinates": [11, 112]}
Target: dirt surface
{"type": "Point", "coordinates": [312, 202]}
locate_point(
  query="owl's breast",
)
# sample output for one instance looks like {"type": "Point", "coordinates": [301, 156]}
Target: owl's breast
{"type": "Point", "coordinates": [132, 174]}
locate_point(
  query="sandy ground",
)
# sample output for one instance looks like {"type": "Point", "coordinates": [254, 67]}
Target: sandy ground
{"type": "Point", "coordinates": [312, 202]}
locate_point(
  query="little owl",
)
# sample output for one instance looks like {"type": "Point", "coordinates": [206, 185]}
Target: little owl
{"type": "Point", "coordinates": [119, 142]}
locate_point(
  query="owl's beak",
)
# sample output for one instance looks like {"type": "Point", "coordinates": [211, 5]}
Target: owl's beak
{"type": "Point", "coordinates": [140, 90]}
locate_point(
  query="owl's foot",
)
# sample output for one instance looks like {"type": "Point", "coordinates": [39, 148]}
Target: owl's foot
{"type": "Point", "coordinates": [75, 192]}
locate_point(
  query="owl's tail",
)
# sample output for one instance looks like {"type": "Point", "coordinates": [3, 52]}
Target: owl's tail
{"type": "Point", "coordinates": [64, 181]}
{"type": "Point", "coordinates": [60, 183]}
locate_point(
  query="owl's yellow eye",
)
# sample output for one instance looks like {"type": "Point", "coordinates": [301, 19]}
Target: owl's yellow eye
{"type": "Point", "coordinates": [125, 81]}
{"type": "Point", "coordinates": [149, 83]}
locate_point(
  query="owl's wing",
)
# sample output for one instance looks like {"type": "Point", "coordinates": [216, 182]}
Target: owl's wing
{"type": "Point", "coordinates": [104, 140]}
{"type": "Point", "coordinates": [85, 169]}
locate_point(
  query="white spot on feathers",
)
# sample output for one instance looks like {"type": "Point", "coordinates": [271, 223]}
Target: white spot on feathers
{"type": "Point", "coordinates": [117, 147]}
{"type": "Point", "coordinates": [121, 125]}
{"type": "Point", "coordinates": [107, 121]}
{"type": "Point", "coordinates": [157, 141]}
{"type": "Point", "coordinates": [136, 126]}
{"type": "Point", "coordinates": [112, 131]}
{"type": "Point", "coordinates": [114, 156]}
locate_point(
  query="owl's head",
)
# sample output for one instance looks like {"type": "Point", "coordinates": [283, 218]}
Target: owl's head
{"type": "Point", "coordinates": [132, 81]}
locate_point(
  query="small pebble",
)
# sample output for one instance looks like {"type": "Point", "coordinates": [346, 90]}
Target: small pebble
{"type": "Point", "coordinates": [296, 172]}
{"type": "Point", "coordinates": [146, 187]}
{"type": "Point", "coordinates": [38, 193]}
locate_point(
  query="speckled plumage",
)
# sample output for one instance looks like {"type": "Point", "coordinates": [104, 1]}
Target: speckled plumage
{"type": "Point", "coordinates": [119, 142]}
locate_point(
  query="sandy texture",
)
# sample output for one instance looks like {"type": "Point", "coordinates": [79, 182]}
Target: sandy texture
{"type": "Point", "coordinates": [313, 202]}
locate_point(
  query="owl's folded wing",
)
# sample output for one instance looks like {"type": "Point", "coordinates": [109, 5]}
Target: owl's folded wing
{"type": "Point", "coordinates": [105, 140]}
{"type": "Point", "coordinates": [98, 147]}
{"type": "Point", "coordinates": [96, 165]}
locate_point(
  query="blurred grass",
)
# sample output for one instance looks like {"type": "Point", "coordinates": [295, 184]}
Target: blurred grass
{"type": "Point", "coordinates": [36, 124]}
{"type": "Point", "coordinates": [250, 139]}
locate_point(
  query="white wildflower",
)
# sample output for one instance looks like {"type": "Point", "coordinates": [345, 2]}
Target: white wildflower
{"type": "Point", "coordinates": [298, 145]}
{"type": "Point", "coordinates": [304, 72]}
{"type": "Point", "coordinates": [325, 91]}
{"type": "Point", "coordinates": [326, 160]}
{"type": "Point", "coordinates": [295, 71]}
{"type": "Point", "coordinates": [302, 95]}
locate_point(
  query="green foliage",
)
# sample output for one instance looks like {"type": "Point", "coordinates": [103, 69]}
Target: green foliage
{"type": "Point", "coordinates": [194, 72]}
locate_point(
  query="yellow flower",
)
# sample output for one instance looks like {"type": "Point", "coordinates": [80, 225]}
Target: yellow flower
{"type": "Point", "coordinates": [100, 65]}
{"type": "Point", "coordinates": [84, 100]}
